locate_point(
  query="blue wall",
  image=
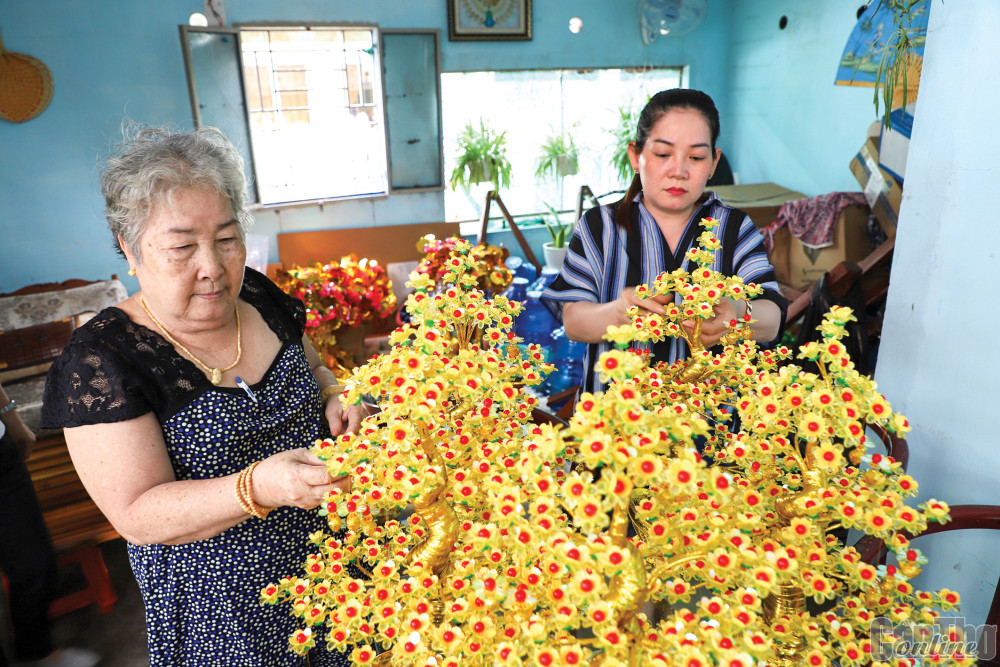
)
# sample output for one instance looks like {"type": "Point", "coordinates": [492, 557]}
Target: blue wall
{"type": "Point", "coordinates": [115, 59]}
{"type": "Point", "coordinates": [789, 123]}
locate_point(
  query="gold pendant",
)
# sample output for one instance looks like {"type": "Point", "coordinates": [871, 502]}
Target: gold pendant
{"type": "Point", "coordinates": [216, 376]}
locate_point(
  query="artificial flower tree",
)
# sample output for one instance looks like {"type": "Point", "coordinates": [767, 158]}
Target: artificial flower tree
{"type": "Point", "coordinates": [510, 558]}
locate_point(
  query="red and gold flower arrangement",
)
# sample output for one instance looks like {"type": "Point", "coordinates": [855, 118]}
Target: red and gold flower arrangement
{"type": "Point", "coordinates": [487, 262]}
{"type": "Point", "coordinates": [339, 296]}
{"type": "Point", "coordinates": [512, 557]}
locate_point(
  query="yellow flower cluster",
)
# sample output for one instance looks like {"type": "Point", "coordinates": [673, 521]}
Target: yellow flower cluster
{"type": "Point", "coordinates": [693, 296]}
{"type": "Point", "coordinates": [537, 545]}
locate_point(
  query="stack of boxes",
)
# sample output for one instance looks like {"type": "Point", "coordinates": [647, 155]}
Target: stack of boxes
{"type": "Point", "coordinates": [880, 176]}
{"type": "Point", "coordinates": [796, 265]}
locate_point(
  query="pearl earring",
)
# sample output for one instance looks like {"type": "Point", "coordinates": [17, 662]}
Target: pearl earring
{"type": "Point", "coordinates": [131, 272]}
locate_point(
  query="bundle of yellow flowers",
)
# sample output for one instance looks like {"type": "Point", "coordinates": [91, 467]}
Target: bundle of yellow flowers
{"type": "Point", "coordinates": [531, 545]}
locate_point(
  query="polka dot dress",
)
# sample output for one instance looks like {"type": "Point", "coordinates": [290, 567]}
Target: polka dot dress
{"type": "Point", "coordinates": [202, 598]}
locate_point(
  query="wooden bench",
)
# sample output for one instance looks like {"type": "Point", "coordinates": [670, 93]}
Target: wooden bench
{"type": "Point", "coordinates": [75, 524]}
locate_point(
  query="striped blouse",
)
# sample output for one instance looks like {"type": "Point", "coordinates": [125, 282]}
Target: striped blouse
{"type": "Point", "coordinates": [600, 264]}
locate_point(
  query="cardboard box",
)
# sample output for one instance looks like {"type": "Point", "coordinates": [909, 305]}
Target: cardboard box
{"type": "Point", "coordinates": [761, 201]}
{"type": "Point", "coordinates": [850, 243]}
{"type": "Point", "coordinates": [781, 244]}
{"type": "Point", "coordinates": [883, 192]}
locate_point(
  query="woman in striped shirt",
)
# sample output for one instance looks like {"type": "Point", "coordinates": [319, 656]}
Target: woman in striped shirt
{"type": "Point", "coordinates": [619, 246]}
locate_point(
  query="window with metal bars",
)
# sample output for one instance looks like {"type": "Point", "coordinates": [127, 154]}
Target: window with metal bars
{"type": "Point", "coordinates": [322, 112]}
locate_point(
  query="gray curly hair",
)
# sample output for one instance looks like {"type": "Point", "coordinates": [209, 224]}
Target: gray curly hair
{"type": "Point", "coordinates": [153, 162]}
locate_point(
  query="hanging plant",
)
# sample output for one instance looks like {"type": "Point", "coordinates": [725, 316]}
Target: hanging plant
{"type": "Point", "coordinates": [624, 134]}
{"type": "Point", "coordinates": [559, 156]}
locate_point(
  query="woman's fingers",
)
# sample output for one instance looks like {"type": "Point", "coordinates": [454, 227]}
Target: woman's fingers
{"type": "Point", "coordinates": [335, 416]}
{"type": "Point", "coordinates": [629, 299]}
{"type": "Point", "coordinates": [295, 477]}
{"type": "Point", "coordinates": [354, 416]}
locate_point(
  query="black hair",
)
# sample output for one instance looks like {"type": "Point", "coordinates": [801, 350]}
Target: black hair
{"type": "Point", "coordinates": [656, 107]}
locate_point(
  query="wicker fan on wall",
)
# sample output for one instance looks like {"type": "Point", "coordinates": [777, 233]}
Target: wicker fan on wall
{"type": "Point", "coordinates": [25, 86]}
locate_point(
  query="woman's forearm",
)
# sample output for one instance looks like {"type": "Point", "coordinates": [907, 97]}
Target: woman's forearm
{"type": "Point", "coordinates": [180, 512]}
{"type": "Point", "coordinates": [766, 320]}
{"type": "Point", "coordinates": [126, 470]}
{"type": "Point", "coordinates": [587, 322]}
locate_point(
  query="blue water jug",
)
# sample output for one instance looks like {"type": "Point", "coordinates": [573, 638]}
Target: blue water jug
{"type": "Point", "coordinates": [548, 275]}
{"type": "Point", "coordinates": [535, 323]}
{"type": "Point", "coordinates": [567, 355]}
{"type": "Point", "coordinates": [521, 268]}
{"type": "Point", "coordinates": [517, 290]}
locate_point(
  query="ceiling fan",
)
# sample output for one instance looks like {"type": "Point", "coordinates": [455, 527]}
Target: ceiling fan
{"type": "Point", "coordinates": [672, 18]}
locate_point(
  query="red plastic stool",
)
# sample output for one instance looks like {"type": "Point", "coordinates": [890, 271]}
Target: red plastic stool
{"type": "Point", "coordinates": [100, 590]}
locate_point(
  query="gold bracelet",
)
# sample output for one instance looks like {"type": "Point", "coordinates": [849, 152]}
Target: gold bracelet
{"type": "Point", "coordinates": [259, 511]}
{"type": "Point", "coordinates": [327, 392]}
{"type": "Point", "coordinates": [244, 493]}
{"type": "Point", "coordinates": [239, 492]}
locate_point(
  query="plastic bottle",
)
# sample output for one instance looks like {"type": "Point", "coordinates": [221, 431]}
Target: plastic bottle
{"type": "Point", "coordinates": [535, 324]}
{"type": "Point", "coordinates": [517, 290]}
{"type": "Point", "coordinates": [567, 355]}
{"type": "Point", "coordinates": [521, 268]}
{"type": "Point", "coordinates": [548, 275]}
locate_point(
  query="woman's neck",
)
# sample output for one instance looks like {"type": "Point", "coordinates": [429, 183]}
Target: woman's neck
{"type": "Point", "coordinates": [672, 224]}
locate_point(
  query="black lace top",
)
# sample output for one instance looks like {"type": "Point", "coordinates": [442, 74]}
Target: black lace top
{"type": "Point", "coordinates": [114, 370]}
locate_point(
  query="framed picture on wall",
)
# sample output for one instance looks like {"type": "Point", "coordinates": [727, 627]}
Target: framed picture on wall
{"type": "Point", "coordinates": [488, 20]}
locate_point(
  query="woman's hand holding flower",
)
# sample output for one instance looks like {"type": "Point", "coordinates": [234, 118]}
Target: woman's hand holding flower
{"type": "Point", "coordinates": [718, 325]}
{"type": "Point", "coordinates": [653, 304]}
{"type": "Point", "coordinates": [296, 478]}
{"type": "Point", "coordinates": [343, 420]}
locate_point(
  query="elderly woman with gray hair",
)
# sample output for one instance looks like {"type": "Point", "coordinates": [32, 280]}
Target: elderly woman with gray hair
{"type": "Point", "coordinates": [186, 408]}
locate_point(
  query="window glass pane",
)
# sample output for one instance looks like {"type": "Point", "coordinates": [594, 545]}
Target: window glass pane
{"type": "Point", "coordinates": [413, 113]}
{"type": "Point", "coordinates": [358, 39]}
{"type": "Point", "coordinates": [529, 105]}
{"type": "Point", "coordinates": [291, 99]}
{"type": "Point", "coordinates": [218, 92]}
{"type": "Point", "coordinates": [317, 126]}
{"type": "Point", "coordinates": [291, 79]}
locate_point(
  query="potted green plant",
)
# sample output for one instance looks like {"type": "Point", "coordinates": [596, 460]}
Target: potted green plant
{"type": "Point", "coordinates": [555, 250]}
{"type": "Point", "coordinates": [482, 158]}
{"type": "Point", "coordinates": [624, 134]}
{"type": "Point", "coordinates": [559, 156]}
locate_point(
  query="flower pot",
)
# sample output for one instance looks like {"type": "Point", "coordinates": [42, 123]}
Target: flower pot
{"type": "Point", "coordinates": [486, 168]}
{"type": "Point", "coordinates": [566, 165]}
{"type": "Point", "coordinates": [554, 256]}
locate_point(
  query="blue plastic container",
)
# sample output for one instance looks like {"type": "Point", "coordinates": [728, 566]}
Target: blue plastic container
{"type": "Point", "coordinates": [521, 268]}
{"type": "Point", "coordinates": [517, 290]}
{"type": "Point", "coordinates": [544, 280]}
{"type": "Point", "coordinates": [535, 324]}
{"type": "Point", "coordinates": [567, 355]}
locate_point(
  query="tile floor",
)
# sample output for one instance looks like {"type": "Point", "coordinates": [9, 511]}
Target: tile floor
{"type": "Point", "coordinates": [118, 636]}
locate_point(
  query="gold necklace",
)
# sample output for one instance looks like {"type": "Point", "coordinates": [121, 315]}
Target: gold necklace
{"type": "Point", "coordinates": [215, 373]}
